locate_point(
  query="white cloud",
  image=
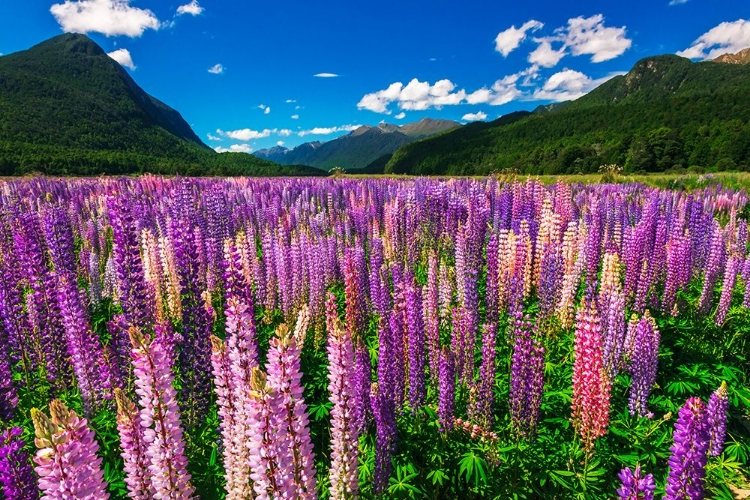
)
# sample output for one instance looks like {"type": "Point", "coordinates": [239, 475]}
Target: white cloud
{"type": "Point", "coordinates": [191, 8]}
{"type": "Point", "coordinates": [108, 17]}
{"type": "Point", "coordinates": [507, 41]}
{"type": "Point", "coordinates": [677, 2]}
{"type": "Point", "coordinates": [234, 148]}
{"type": "Point", "coordinates": [545, 56]}
{"type": "Point", "coordinates": [216, 69]}
{"type": "Point", "coordinates": [123, 57]}
{"type": "Point", "coordinates": [416, 96]}
{"type": "Point", "coordinates": [266, 109]}
{"type": "Point", "coordinates": [472, 117]}
{"type": "Point", "coordinates": [279, 143]}
{"type": "Point", "coordinates": [298, 107]}
{"type": "Point", "coordinates": [295, 117]}
{"type": "Point", "coordinates": [290, 101]}
{"type": "Point", "coordinates": [212, 137]}
{"type": "Point", "coordinates": [326, 75]}
{"type": "Point", "coordinates": [246, 134]}
{"type": "Point", "coordinates": [728, 37]}
{"type": "Point", "coordinates": [285, 132]}
{"type": "Point", "coordinates": [502, 91]}
{"type": "Point", "coordinates": [589, 36]}
{"type": "Point", "coordinates": [567, 85]}
{"type": "Point", "coordinates": [327, 130]}
{"type": "Point", "coordinates": [400, 116]}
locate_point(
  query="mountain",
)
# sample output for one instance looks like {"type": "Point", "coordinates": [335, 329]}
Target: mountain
{"type": "Point", "coordinates": [741, 57]}
{"type": "Point", "coordinates": [66, 107]}
{"type": "Point", "coordinates": [665, 113]}
{"type": "Point", "coordinates": [359, 148]}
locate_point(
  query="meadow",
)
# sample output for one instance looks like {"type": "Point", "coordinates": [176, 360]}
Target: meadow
{"type": "Point", "coordinates": [374, 338]}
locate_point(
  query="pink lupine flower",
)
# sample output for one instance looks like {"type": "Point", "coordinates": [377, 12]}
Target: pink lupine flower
{"type": "Point", "coordinates": [133, 448]}
{"type": "Point", "coordinates": [67, 465]}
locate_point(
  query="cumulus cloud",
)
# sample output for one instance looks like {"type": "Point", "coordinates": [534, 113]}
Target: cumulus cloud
{"type": "Point", "coordinates": [728, 37]}
{"type": "Point", "coordinates": [472, 117]}
{"type": "Point", "coordinates": [415, 96]}
{"type": "Point", "coordinates": [326, 75]}
{"type": "Point", "coordinates": [216, 69]}
{"type": "Point", "coordinates": [191, 8]}
{"type": "Point", "coordinates": [234, 148]}
{"type": "Point", "coordinates": [123, 57]}
{"type": "Point", "coordinates": [327, 130]}
{"type": "Point", "coordinates": [502, 91]}
{"type": "Point", "coordinates": [507, 41]}
{"type": "Point", "coordinates": [285, 132]}
{"type": "Point", "coordinates": [589, 36]}
{"type": "Point", "coordinates": [567, 85]}
{"type": "Point", "coordinates": [545, 56]}
{"type": "Point", "coordinates": [295, 117]}
{"type": "Point", "coordinates": [400, 116]}
{"type": "Point", "coordinates": [266, 109]}
{"type": "Point", "coordinates": [108, 17]}
{"type": "Point", "coordinates": [212, 137]}
{"type": "Point", "coordinates": [245, 134]}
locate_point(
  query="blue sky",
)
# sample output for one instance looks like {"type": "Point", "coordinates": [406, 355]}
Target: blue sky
{"type": "Point", "coordinates": [249, 74]}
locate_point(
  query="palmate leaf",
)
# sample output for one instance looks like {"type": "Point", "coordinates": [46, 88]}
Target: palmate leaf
{"type": "Point", "coordinates": [474, 468]}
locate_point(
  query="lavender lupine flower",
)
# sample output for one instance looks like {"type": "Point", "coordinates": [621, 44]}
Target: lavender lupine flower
{"type": "Point", "coordinates": [415, 345]}
{"type": "Point", "coordinates": [8, 393]}
{"type": "Point", "coordinates": [270, 464]}
{"type": "Point", "coordinates": [713, 268]}
{"type": "Point", "coordinates": [635, 485]}
{"type": "Point", "coordinates": [133, 446]}
{"type": "Point", "coordinates": [727, 289]}
{"type": "Point", "coordinates": [344, 435]}
{"type": "Point", "coordinates": [716, 413]}
{"type": "Point", "coordinates": [362, 386]}
{"type": "Point", "coordinates": [447, 389]}
{"type": "Point", "coordinates": [591, 386]}
{"type": "Point", "coordinates": [160, 417]}
{"type": "Point", "coordinates": [687, 465]}
{"type": "Point", "coordinates": [384, 414]}
{"type": "Point", "coordinates": [66, 459]}
{"type": "Point", "coordinates": [17, 481]}
{"type": "Point", "coordinates": [285, 375]}
{"type": "Point", "coordinates": [526, 377]}
{"type": "Point", "coordinates": [430, 298]}
{"type": "Point", "coordinates": [644, 364]}
{"type": "Point", "coordinates": [482, 409]}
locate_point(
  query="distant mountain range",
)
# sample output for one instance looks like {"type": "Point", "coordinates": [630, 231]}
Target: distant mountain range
{"type": "Point", "coordinates": [66, 107]}
{"type": "Point", "coordinates": [665, 113]}
{"type": "Point", "coordinates": [359, 148]}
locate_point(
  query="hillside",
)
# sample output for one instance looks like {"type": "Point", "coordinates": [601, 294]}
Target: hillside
{"type": "Point", "coordinates": [68, 108]}
{"type": "Point", "coordinates": [359, 148]}
{"type": "Point", "coordinates": [666, 113]}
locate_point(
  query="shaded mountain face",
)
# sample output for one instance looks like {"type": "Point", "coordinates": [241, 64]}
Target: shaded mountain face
{"type": "Point", "coordinates": [666, 112]}
{"type": "Point", "coordinates": [741, 57]}
{"type": "Point", "coordinates": [67, 91]}
{"type": "Point", "coordinates": [358, 148]}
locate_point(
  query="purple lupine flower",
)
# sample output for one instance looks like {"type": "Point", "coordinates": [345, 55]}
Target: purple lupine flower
{"type": "Point", "coordinates": [362, 386]}
{"type": "Point", "coordinates": [16, 475]}
{"type": "Point", "coordinates": [384, 414]}
{"type": "Point", "coordinates": [268, 440]}
{"type": "Point", "coordinates": [482, 409]}
{"type": "Point", "coordinates": [430, 298]}
{"type": "Point", "coordinates": [345, 436]}
{"type": "Point", "coordinates": [727, 288]}
{"type": "Point", "coordinates": [285, 376]}
{"type": "Point", "coordinates": [716, 412]}
{"type": "Point", "coordinates": [713, 268]}
{"type": "Point", "coordinates": [526, 377]}
{"type": "Point", "coordinates": [447, 389]}
{"type": "Point", "coordinates": [160, 417]}
{"type": "Point", "coordinates": [66, 459]}
{"type": "Point", "coordinates": [687, 465]}
{"type": "Point", "coordinates": [415, 345]}
{"type": "Point", "coordinates": [644, 364]}
{"type": "Point", "coordinates": [8, 392]}
{"type": "Point", "coordinates": [635, 485]}
{"type": "Point", "coordinates": [133, 447]}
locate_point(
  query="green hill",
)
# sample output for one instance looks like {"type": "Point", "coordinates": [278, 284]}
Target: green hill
{"type": "Point", "coordinates": [666, 113]}
{"type": "Point", "coordinates": [68, 108]}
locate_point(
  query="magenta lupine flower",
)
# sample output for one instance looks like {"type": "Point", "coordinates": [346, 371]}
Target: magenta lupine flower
{"type": "Point", "coordinates": [344, 435]}
{"type": "Point", "coordinates": [591, 386]}
{"type": "Point", "coordinates": [644, 364]}
{"type": "Point", "coordinates": [716, 412]}
{"type": "Point", "coordinates": [285, 376]}
{"type": "Point", "coordinates": [270, 461]}
{"type": "Point", "coordinates": [66, 459]}
{"type": "Point", "coordinates": [133, 447]}
{"type": "Point", "coordinates": [687, 465]}
{"type": "Point", "coordinates": [17, 481]}
{"type": "Point", "coordinates": [160, 417]}
{"type": "Point", "coordinates": [447, 389]}
{"type": "Point", "coordinates": [526, 377]}
{"type": "Point", "coordinates": [635, 485]}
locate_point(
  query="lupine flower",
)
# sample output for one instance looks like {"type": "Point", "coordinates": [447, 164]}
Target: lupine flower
{"type": "Point", "coordinates": [644, 364]}
{"type": "Point", "coordinates": [687, 465]}
{"type": "Point", "coordinates": [160, 417]}
{"type": "Point", "coordinates": [447, 386]}
{"type": "Point", "coordinates": [727, 289]}
{"type": "Point", "coordinates": [16, 475]}
{"type": "Point", "coordinates": [591, 386]}
{"type": "Point", "coordinates": [344, 435]}
{"type": "Point", "coordinates": [482, 410]}
{"type": "Point", "coordinates": [66, 459]}
{"type": "Point", "coordinates": [635, 485]}
{"type": "Point", "coordinates": [526, 377]}
{"type": "Point", "coordinates": [362, 386]}
{"type": "Point", "coordinates": [133, 448]}
{"type": "Point", "coordinates": [716, 412]}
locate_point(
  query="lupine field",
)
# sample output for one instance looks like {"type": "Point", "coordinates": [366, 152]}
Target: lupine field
{"type": "Point", "coordinates": [375, 338]}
